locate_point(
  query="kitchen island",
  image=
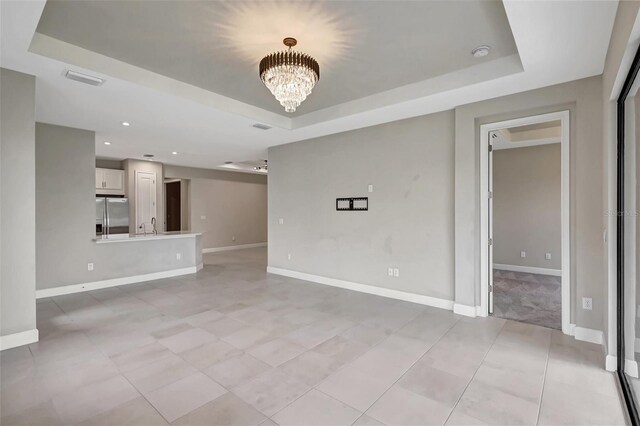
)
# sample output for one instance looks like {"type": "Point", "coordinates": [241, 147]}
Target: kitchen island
{"type": "Point", "coordinates": [132, 258]}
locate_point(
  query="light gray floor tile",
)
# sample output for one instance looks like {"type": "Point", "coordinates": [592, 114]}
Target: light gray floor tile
{"type": "Point", "coordinates": [435, 384]}
{"type": "Point", "coordinates": [365, 420]}
{"type": "Point", "coordinates": [186, 340]}
{"type": "Point", "coordinates": [39, 415]}
{"type": "Point", "coordinates": [226, 410]}
{"type": "Point", "coordinates": [236, 370]}
{"type": "Point", "coordinates": [399, 406]}
{"type": "Point", "coordinates": [247, 337]}
{"type": "Point", "coordinates": [357, 346]}
{"type": "Point", "coordinates": [185, 395]}
{"type": "Point", "coordinates": [355, 388]}
{"type": "Point", "coordinates": [134, 413]}
{"type": "Point", "coordinates": [310, 367]}
{"type": "Point", "coordinates": [85, 402]}
{"type": "Point", "coordinates": [159, 373]}
{"type": "Point", "coordinates": [208, 354]}
{"type": "Point", "coordinates": [276, 352]}
{"type": "Point", "coordinates": [494, 406]}
{"type": "Point", "coordinates": [316, 409]}
{"type": "Point", "coordinates": [569, 405]}
{"type": "Point", "coordinates": [271, 391]}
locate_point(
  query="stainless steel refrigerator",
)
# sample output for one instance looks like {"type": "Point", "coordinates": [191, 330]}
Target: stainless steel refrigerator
{"type": "Point", "coordinates": [112, 216]}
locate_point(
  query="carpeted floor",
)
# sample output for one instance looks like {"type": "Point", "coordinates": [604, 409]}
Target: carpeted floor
{"type": "Point", "coordinates": [530, 298]}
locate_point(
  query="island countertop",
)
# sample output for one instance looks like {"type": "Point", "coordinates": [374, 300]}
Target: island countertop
{"type": "Point", "coordinates": [126, 238]}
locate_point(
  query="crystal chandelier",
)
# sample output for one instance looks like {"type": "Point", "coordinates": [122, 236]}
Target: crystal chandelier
{"type": "Point", "coordinates": [289, 75]}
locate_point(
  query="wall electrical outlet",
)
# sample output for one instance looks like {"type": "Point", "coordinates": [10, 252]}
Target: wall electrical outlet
{"type": "Point", "coordinates": [396, 272]}
{"type": "Point", "coordinates": [289, 256]}
{"type": "Point", "coordinates": [90, 266]}
{"type": "Point", "coordinates": [390, 272]}
{"type": "Point", "coordinates": [547, 256]}
{"type": "Point", "coordinates": [587, 303]}
{"type": "Point", "coordinates": [178, 256]}
{"type": "Point", "coordinates": [523, 254]}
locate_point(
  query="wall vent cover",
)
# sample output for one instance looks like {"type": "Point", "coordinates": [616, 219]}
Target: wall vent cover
{"type": "Point", "coordinates": [261, 126]}
{"type": "Point", "coordinates": [84, 78]}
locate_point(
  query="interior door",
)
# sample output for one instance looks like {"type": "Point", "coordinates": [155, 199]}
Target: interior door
{"type": "Point", "coordinates": [145, 200]}
{"type": "Point", "coordinates": [490, 225]}
{"type": "Point", "coordinates": [173, 217]}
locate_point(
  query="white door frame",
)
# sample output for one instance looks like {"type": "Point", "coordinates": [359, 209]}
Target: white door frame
{"type": "Point", "coordinates": [565, 140]}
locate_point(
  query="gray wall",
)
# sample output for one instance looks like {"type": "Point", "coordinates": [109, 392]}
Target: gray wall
{"type": "Point", "coordinates": [17, 209]}
{"type": "Point", "coordinates": [409, 224]}
{"type": "Point", "coordinates": [234, 204]}
{"type": "Point", "coordinates": [527, 205]}
{"type": "Point", "coordinates": [583, 98]}
{"type": "Point", "coordinates": [65, 200]}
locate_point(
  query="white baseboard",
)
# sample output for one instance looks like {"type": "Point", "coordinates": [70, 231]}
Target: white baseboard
{"type": "Point", "coordinates": [588, 335]}
{"type": "Point", "coordinates": [528, 269]}
{"type": "Point", "coordinates": [96, 285]}
{"type": "Point", "coordinates": [18, 339]}
{"type": "Point", "coordinates": [611, 363]}
{"type": "Point", "coordinates": [365, 288]}
{"type": "Point", "coordinates": [466, 310]}
{"type": "Point", "coordinates": [631, 368]}
{"type": "Point", "coordinates": [238, 247]}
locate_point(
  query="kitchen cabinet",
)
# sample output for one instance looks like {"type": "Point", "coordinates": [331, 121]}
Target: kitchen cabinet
{"type": "Point", "coordinates": [109, 181]}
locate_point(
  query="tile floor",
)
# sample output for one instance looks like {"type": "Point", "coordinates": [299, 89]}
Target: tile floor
{"type": "Point", "coordinates": [531, 298]}
{"type": "Point", "coordinates": [232, 345]}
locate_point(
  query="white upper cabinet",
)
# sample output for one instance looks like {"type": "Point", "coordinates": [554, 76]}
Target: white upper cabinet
{"type": "Point", "coordinates": [109, 182]}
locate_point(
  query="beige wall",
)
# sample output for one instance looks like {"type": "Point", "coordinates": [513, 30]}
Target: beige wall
{"type": "Point", "coordinates": [526, 206]}
{"type": "Point", "coordinates": [132, 166]}
{"type": "Point", "coordinates": [234, 205]}
{"type": "Point", "coordinates": [17, 208]}
{"type": "Point", "coordinates": [409, 224]}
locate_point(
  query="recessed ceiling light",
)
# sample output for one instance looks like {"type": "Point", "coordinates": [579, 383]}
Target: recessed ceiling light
{"type": "Point", "coordinates": [126, 123]}
{"type": "Point", "coordinates": [107, 143]}
{"type": "Point", "coordinates": [175, 152]}
{"type": "Point", "coordinates": [481, 51]}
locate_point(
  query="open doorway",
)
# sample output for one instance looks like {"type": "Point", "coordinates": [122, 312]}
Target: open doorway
{"type": "Point", "coordinates": [173, 195]}
{"type": "Point", "coordinates": [525, 220]}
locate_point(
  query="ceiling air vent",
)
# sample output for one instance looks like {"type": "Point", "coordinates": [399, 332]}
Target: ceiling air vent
{"type": "Point", "coordinates": [84, 78]}
{"type": "Point", "coordinates": [261, 126]}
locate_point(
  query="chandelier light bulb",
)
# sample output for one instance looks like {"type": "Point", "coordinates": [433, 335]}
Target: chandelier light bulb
{"type": "Point", "coordinates": [290, 76]}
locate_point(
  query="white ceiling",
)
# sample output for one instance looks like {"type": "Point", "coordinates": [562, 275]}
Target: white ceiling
{"type": "Point", "coordinates": [363, 48]}
{"type": "Point", "coordinates": [208, 128]}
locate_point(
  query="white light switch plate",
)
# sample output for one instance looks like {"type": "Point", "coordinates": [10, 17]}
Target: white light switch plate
{"type": "Point", "coordinates": [523, 254]}
{"type": "Point", "coordinates": [396, 272]}
{"type": "Point", "coordinates": [281, 221]}
{"type": "Point", "coordinates": [547, 256]}
{"type": "Point", "coordinates": [390, 272]}
{"type": "Point", "coordinates": [370, 188]}
{"type": "Point", "coordinates": [178, 256]}
{"type": "Point", "coordinates": [89, 266]}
